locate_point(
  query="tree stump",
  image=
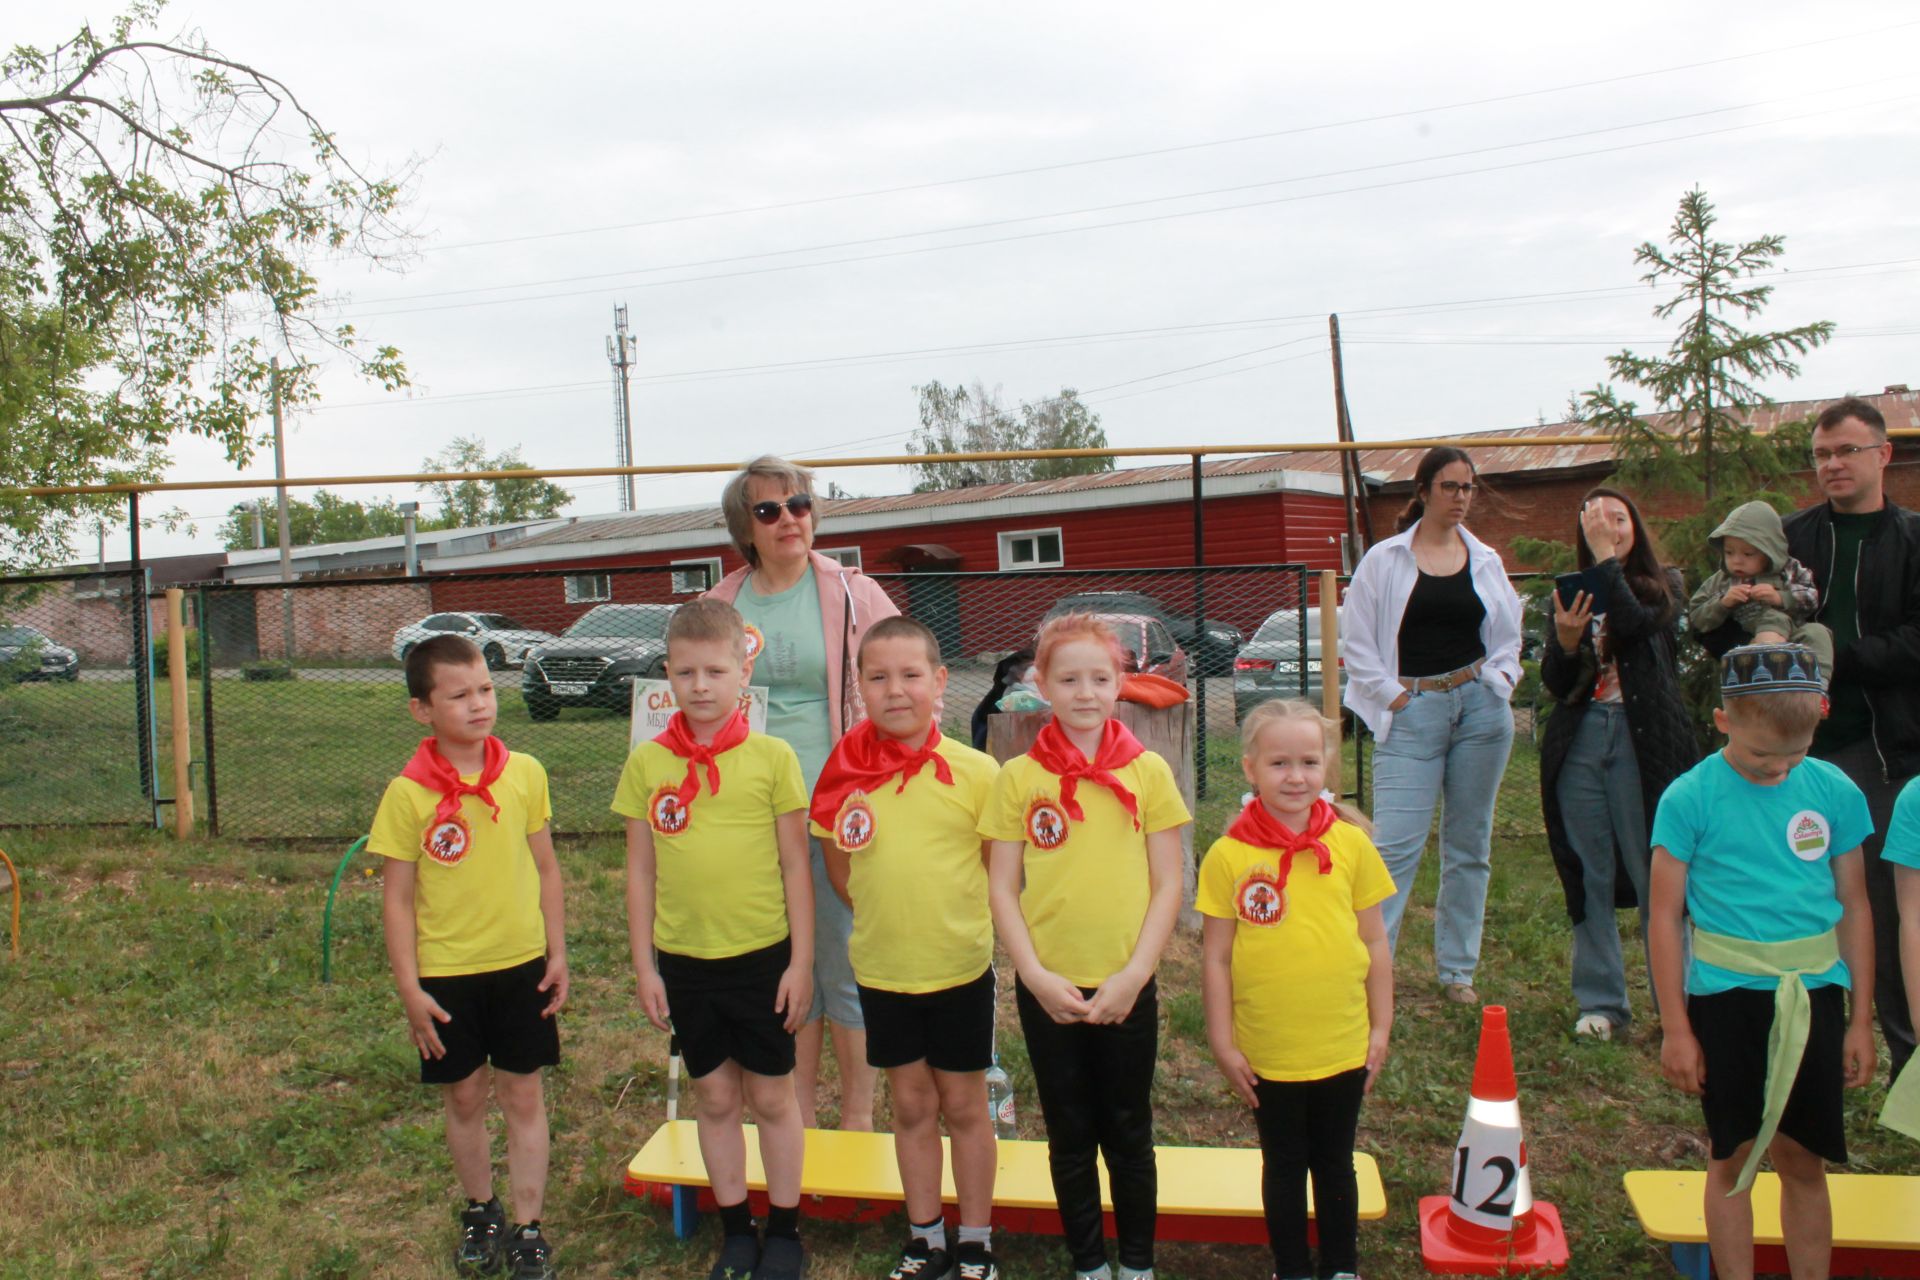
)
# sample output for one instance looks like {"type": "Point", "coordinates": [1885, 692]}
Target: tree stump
{"type": "Point", "coordinates": [1166, 731]}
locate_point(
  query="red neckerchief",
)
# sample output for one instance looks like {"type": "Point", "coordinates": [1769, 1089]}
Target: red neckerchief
{"type": "Point", "coordinates": [677, 737]}
{"type": "Point", "coordinates": [864, 760]}
{"type": "Point", "coordinates": [436, 773]}
{"type": "Point", "coordinates": [1259, 828]}
{"type": "Point", "coordinates": [1055, 753]}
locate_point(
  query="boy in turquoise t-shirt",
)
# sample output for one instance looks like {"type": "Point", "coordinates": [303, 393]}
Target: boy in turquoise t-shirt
{"type": "Point", "coordinates": [1902, 849]}
{"type": "Point", "coordinates": [1760, 846]}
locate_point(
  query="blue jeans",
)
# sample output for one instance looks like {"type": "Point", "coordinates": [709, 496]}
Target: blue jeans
{"type": "Point", "coordinates": [1600, 803]}
{"type": "Point", "coordinates": [1452, 744]}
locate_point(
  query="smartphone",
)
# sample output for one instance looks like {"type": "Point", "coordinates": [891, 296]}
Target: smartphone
{"type": "Point", "coordinates": [1569, 585]}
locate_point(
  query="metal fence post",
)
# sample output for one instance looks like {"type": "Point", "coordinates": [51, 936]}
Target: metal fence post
{"type": "Point", "coordinates": [206, 710]}
{"type": "Point", "coordinates": [1199, 633]}
{"type": "Point", "coordinates": [142, 660]}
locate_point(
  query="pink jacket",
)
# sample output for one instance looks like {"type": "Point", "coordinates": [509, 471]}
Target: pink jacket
{"type": "Point", "coordinates": [850, 602]}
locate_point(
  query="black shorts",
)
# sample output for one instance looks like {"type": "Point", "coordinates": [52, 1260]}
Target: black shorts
{"type": "Point", "coordinates": [1732, 1028]}
{"type": "Point", "coordinates": [496, 1018]}
{"type": "Point", "coordinates": [952, 1029]}
{"type": "Point", "coordinates": [723, 1010]}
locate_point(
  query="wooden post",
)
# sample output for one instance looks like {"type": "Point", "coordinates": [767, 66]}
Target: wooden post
{"type": "Point", "coordinates": [182, 729]}
{"type": "Point", "coordinates": [1329, 645]}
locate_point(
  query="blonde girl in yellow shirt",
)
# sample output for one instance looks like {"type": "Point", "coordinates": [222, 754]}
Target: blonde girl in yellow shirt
{"type": "Point", "coordinates": [1298, 979]}
{"type": "Point", "coordinates": [1084, 883]}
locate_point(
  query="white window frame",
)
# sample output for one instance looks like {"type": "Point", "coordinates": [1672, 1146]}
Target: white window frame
{"type": "Point", "coordinates": [685, 586]}
{"type": "Point", "coordinates": [603, 586]}
{"type": "Point", "coordinates": [848, 557]}
{"type": "Point", "coordinates": [1012, 536]}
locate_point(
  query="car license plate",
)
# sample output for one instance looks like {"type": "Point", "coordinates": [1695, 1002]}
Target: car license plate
{"type": "Point", "coordinates": [570, 690]}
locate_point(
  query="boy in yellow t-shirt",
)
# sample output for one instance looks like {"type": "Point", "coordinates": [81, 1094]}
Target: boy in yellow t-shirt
{"type": "Point", "coordinates": [477, 940]}
{"type": "Point", "coordinates": [896, 809]}
{"type": "Point", "coordinates": [1085, 886]}
{"type": "Point", "coordinates": [1298, 980]}
{"type": "Point", "coordinates": [720, 914]}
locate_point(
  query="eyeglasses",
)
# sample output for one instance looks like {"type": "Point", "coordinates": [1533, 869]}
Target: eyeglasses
{"type": "Point", "coordinates": [1823, 456]}
{"type": "Point", "coordinates": [769, 512]}
{"type": "Point", "coordinates": [1457, 488]}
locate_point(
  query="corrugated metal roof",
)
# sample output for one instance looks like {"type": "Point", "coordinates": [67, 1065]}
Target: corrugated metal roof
{"type": "Point", "coordinates": [1901, 408]}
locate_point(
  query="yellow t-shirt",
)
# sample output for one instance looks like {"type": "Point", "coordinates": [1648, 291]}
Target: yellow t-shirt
{"type": "Point", "coordinates": [1299, 966]}
{"type": "Point", "coordinates": [717, 889]}
{"type": "Point", "coordinates": [1087, 887]}
{"type": "Point", "coordinates": [920, 915]}
{"type": "Point", "coordinates": [476, 905]}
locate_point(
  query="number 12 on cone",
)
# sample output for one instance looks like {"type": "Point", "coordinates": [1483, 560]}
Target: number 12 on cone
{"type": "Point", "coordinates": [1490, 1187]}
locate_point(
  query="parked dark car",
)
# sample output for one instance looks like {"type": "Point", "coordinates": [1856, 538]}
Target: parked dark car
{"type": "Point", "coordinates": [27, 654]}
{"type": "Point", "coordinates": [596, 662]}
{"type": "Point", "coordinates": [1269, 666]}
{"type": "Point", "coordinates": [1212, 646]}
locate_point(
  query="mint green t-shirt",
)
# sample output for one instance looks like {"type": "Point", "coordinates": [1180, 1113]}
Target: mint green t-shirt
{"type": "Point", "coordinates": [792, 665]}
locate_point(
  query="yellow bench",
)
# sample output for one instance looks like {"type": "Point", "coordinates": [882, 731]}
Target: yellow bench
{"type": "Point", "coordinates": [1876, 1221]}
{"type": "Point", "coordinates": [1206, 1193]}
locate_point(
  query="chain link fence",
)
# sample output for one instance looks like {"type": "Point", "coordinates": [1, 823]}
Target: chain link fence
{"type": "Point", "coordinates": [300, 701]}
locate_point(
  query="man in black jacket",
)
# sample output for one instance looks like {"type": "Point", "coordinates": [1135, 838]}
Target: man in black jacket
{"type": "Point", "coordinates": [1865, 556]}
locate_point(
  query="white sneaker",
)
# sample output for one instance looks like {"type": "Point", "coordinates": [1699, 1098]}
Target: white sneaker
{"type": "Point", "coordinates": [1596, 1025]}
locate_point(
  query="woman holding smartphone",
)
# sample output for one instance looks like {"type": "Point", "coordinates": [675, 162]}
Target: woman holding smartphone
{"type": "Point", "coordinates": [1619, 734]}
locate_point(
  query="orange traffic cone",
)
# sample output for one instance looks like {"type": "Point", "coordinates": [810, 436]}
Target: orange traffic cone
{"type": "Point", "coordinates": [1489, 1224]}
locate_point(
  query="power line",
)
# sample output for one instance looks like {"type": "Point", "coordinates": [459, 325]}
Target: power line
{"type": "Point", "coordinates": [1099, 208]}
{"type": "Point", "coordinates": [1145, 219]}
{"type": "Point", "coordinates": [1860, 270]}
{"type": "Point", "coordinates": [1168, 150]}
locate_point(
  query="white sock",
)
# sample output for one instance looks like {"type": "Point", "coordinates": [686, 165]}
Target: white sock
{"type": "Point", "coordinates": [1129, 1273]}
{"type": "Point", "coordinates": [1102, 1272]}
{"type": "Point", "coordinates": [932, 1234]}
{"type": "Point", "coordinates": [982, 1236]}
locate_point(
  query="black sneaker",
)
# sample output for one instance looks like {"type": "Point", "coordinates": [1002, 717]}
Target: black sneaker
{"type": "Point", "coordinates": [974, 1261]}
{"type": "Point", "coordinates": [782, 1258]}
{"type": "Point", "coordinates": [481, 1230]}
{"type": "Point", "coordinates": [529, 1256]}
{"type": "Point", "coordinates": [739, 1258]}
{"type": "Point", "coordinates": [921, 1261]}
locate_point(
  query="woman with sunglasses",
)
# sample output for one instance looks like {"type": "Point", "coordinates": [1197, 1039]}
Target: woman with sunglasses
{"type": "Point", "coordinates": [1430, 633]}
{"type": "Point", "coordinates": [805, 615]}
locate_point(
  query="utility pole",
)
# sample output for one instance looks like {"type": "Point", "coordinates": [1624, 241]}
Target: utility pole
{"type": "Point", "coordinates": [1353, 481]}
{"type": "Point", "coordinates": [259, 527]}
{"type": "Point", "coordinates": [621, 350]}
{"type": "Point", "coordinates": [410, 512]}
{"type": "Point", "coordinates": [286, 525]}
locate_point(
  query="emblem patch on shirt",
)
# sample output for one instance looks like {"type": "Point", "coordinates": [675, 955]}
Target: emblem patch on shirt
{"type": "Point", "coordinates": [666, 813]}
{"type": "Point", "coordinates": [756, 643]}
{"type": "Point", "coordinates": [1808, 836]}
{"type": "Point", "coordinates": [854, 826]}
{"type": "Point", "coordinates": [447, 842]}
{"type": "Point", "coordinates": [1259, 900]}
{"type": "Point", "coordinates": [1046, 824]}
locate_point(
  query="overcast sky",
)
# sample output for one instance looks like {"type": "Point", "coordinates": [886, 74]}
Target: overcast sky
{"type": "Point", "coordinates": [581, 156]}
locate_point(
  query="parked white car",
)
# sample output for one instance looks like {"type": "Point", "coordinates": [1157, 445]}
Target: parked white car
{"type": "Point", "coordinates": [503, 641]}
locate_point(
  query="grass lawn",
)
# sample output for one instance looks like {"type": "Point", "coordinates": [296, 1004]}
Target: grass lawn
{"type": "Point", "coordinates": [182, 1098]}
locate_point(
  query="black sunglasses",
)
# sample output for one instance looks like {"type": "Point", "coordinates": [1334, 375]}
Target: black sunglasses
{"type": "Point", "coordinates": [769, 512]}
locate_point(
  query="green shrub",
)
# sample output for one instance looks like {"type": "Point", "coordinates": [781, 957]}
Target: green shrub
{"type": "Point", "coordinates": [267, 671]}
{"type": "Point", "coordinates": [191, 637]}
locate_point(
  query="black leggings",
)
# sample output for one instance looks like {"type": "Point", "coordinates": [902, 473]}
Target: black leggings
{"type": "Point", "coordinates": [1096, 1096]}
{"type": "Point", "coordinates": [1307, 1126]}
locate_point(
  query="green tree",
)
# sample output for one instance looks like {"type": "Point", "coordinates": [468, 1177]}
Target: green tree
{"type": "Point", "coordinates": [327, 517]}
{"type": "Point", "coordinates": [973, 420]}
{"type": "Point", "coordinates": [465, 504]}
{"type": "Point", "coordinates": [161, 208]}
{"type": "Point", "coordinates": [1705, 389]}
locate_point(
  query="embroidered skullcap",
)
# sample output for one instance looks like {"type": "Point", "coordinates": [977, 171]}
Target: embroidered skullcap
{"type": "Point", "coordinates": [1769, 668]}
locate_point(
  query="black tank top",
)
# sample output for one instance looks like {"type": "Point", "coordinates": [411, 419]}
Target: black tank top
{"type": "Point", "coordinates": [1440, 631]}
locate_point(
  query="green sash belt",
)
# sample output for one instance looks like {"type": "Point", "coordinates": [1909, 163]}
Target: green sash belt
{"type": "Point", "coordinates": [1902, 1112]}
{"type": "Point", "coordinates": [1790, 962]}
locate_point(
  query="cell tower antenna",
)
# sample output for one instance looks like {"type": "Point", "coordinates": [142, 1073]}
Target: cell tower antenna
{"type": "Point", "coordinates": [621, 350]}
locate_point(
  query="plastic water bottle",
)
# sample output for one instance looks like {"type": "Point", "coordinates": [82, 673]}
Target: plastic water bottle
{"type": "Point", "coordinates": [673, 1077]}
{"type": "Point", "coordinates": [1000, 1099]}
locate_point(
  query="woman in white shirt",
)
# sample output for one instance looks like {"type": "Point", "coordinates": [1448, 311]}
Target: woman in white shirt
{"type": "Point", "coordinates": [1432, 649]}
